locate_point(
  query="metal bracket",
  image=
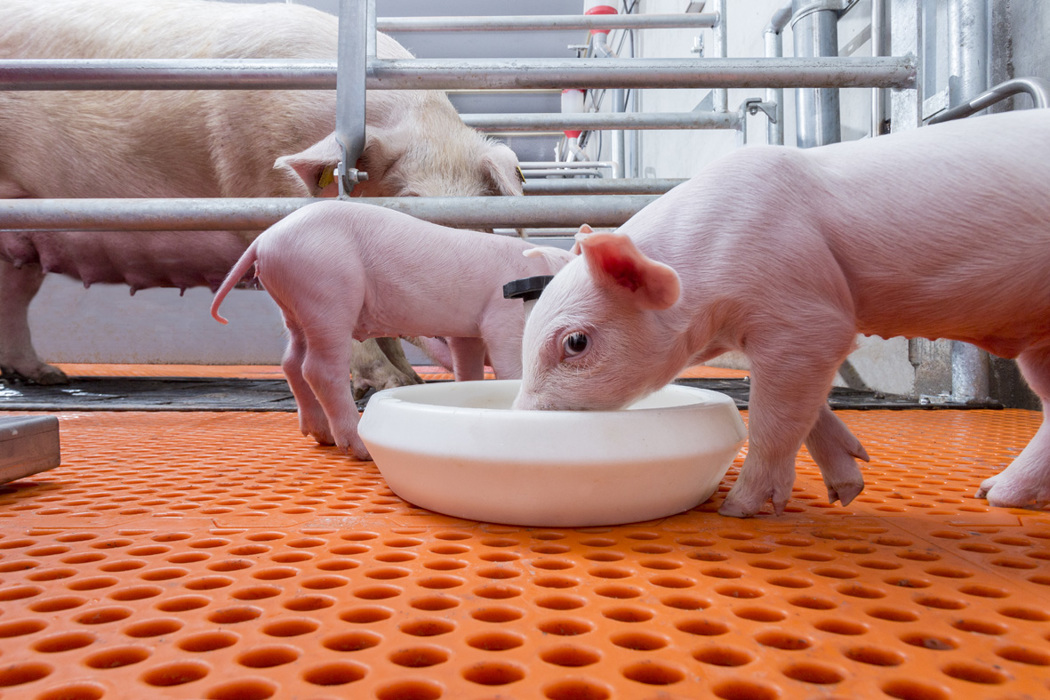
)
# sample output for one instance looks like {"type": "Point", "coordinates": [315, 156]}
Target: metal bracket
{"type": "Point", "coordinates": [698, 45]}
{"type": "Point", "coordinates": [754, 105]}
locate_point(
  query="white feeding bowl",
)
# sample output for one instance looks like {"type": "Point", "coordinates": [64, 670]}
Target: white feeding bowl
{"type": "Point", "coordinates": [459, 449]}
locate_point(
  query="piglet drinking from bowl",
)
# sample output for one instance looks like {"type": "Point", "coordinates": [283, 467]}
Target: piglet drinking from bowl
{"type": "Point", "coordinates": [342, 270]}
{"type": "Point", "coordinates": [785, 255]}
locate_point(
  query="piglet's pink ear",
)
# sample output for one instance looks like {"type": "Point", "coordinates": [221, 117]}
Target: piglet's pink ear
{"type": "Point", "coordinates": [584, 231]}
{"type": "Point", "coordinates": [614, 261]}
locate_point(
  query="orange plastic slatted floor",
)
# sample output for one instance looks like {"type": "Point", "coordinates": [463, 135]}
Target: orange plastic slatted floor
{"type": "Point", "coordinates": [226, 556]}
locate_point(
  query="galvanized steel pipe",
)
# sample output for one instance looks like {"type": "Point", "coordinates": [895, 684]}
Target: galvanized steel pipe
{"type": "Point", "coordinates": [259, 213]}
{"type": "Point", "coordinates": [597, 121]}
{"type": "Point", "coordinates": [815, 29]}
{"type": "Point", "coordinates": [514, 23]}
{"type": "Point", "coordinates": [720, 96]}
{"type": "Point", "coordinates": [968, 61]}
{"type": "Point", "coordinates": [880, 46]}
{"type": "Point", "coordinates": [619, 185]}
{"type": "Point", "coordinates": [774, 47]}
{"type": "Point", "coordinates": [1036, 88]}
{"type": "Point", "coordinates": [350, 90]}
{"type": "Point", "coordinates": [460, 74]}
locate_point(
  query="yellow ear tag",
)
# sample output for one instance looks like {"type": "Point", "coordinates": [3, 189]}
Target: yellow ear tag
{"type": "Point", "coordinates": [521, 175]}
{"type": "Point", "coordinates": [327, 177]}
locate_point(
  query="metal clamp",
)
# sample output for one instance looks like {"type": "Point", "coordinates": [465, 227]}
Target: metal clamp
{"type": "Point", "coordinates": [348, 178]}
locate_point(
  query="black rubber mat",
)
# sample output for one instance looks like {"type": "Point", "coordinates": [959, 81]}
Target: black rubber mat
{"type": "Point", "coordinates": [220, 394]}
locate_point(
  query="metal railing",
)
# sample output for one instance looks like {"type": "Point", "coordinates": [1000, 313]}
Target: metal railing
{"type": "Point", "coordinates": [430, 74]}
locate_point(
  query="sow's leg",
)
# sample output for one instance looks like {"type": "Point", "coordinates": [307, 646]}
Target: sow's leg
{"type": "Point", "coordinates": [18, 360]}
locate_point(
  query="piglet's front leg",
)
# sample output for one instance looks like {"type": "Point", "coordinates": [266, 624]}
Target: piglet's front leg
{"type": "Point", "coordinates": [468, 358]}
{"type": "Point", "coordinates": [789, 391]}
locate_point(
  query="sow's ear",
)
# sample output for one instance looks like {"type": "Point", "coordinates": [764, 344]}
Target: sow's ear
{"type": "Point", "coordinates": [501, 166]}
{"type": "Point", "coordinates": [614, 262]}
{"type": "Point", "coordinates": [316, 166]}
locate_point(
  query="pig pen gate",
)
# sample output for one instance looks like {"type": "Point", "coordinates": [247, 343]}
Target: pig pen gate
{"type": "Point", "coordinates": [209, 555]}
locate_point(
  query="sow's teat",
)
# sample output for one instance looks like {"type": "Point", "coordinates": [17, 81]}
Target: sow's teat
{"type": "Point", "coordinates": [528, 289]}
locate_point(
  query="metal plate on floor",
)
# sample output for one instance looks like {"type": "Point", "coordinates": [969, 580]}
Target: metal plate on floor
{"type": "Point", "coordinates": [28, 445]}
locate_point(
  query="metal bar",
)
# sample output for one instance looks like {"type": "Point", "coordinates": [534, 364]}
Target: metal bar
{"type": "Point", "coordinates": [968, 53]}
{"type": "Point", "coordinates": [350, 89]}
{"type": "Point", "coordinates": [880, 40]}
{"type": "Point", "coordinates": [968, 59]}
{"type": "Point", "coordinates": [533, 164]}
{"type": "Point", "coordinates": [513, 23]}
{"type": "Point", "coordinates": [596, 121]}
{"type": "Point", "coordinates": [815, 30]}
{"type": "Point", "coordinates": [371, 30]}
{"type": "Point", "coordinates": [581, 173]}
{"type": "Point", "coordinates": [623, 185]}
{"type": "Point", "coordinates": [774, 44]}
{"type": "Point", "coordinates": [166, 74]}
{"type": "Point", "coordinates": [1037, 88]}
{"type": "Point", "coordinates": [441, 74]}
{"type": "Point", "coordinates": [259, 213]}
{"type": "Point", "coordinates": [459, 74]}
{"type": "Point", "coordinates": [602, 49]}
{"type": "Point", "coordinates": [721, 95]}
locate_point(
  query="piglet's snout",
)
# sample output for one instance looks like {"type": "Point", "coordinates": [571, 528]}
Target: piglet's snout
{"type": "Point", "coordinates": [527, 401]}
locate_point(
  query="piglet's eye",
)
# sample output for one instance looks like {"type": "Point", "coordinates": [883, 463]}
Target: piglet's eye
{"type": "Point", "coordinates": [575, 343]}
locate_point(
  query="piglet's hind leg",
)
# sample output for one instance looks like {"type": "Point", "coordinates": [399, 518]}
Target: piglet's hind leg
{"type": "Point", "coordinates": [1026, 482]}
{"type": "Point", "coordinates": [835, 450]}
{"type": "Point", "coordinates": [312, 419]}
{"type": "Point", "coordinates": [326, 368]}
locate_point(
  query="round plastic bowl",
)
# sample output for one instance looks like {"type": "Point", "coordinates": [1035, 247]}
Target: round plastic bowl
{"type": "Point", "coordinates": [459, 449]}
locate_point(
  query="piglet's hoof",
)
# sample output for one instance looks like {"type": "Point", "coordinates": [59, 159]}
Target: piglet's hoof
{"type": "Point", "coordinates": [358, 451]}
{"type": "Point", "coordinates": [845, 492]}
{"type": "Point", "coordinates": [1002, 493]}
{"type": "Point", "coordinates": [746, 506]}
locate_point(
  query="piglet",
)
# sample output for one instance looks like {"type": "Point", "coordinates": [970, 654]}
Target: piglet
{"type": "Point", "coordinates": [340, 270]}
{"type": "Point", "coordinates": [785, 255]}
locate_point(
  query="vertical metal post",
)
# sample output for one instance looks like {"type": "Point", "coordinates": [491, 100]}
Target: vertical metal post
{"type": "Point", "coordinates": [968, 61]}
{"type": "Point", "coordinates": [370, 29]}
{"type": "Point", "coordinates": [618, 151]}
{"type": "Point", "coordinates": [968, 57]}
{"type": "Point", "coordinates": [350, 90]}
{"type": "Point", "coordinates": [774, 40]}
{"type": "Point", "coordinates": [721, 96]}
{"type": "Point", "coordinates": [619, 142]}
{"type": "Point", "coordinates": [815, 27]}
{"type": "Point", "coordinates": [880, 42]}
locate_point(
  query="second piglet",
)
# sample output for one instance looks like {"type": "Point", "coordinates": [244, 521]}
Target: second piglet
{"type": "Point", "coordinates": [785, 255]}
{"type": "Point", "coordinates": [342, 270]}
